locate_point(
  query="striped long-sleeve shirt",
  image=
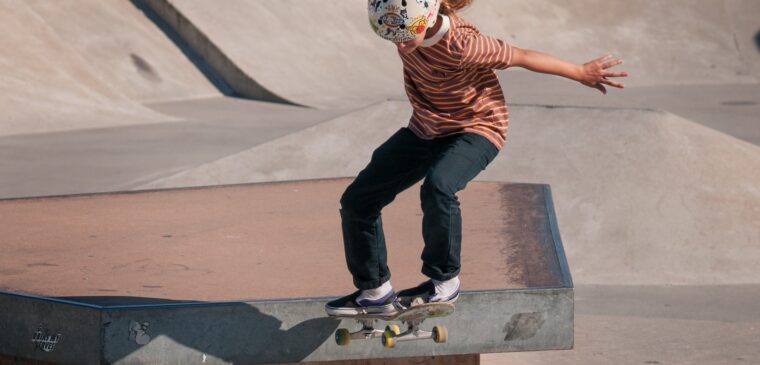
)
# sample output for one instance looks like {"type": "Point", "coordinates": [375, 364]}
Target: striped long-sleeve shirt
{"type": "Point", "coordinates": [452, 86]}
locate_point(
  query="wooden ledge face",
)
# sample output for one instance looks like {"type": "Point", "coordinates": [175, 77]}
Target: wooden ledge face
{"type": "Point", "coordinates": [254, 242]}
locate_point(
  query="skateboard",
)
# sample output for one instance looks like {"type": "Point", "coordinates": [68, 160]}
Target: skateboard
{"type": "Point", "coordinates": [411, 317]}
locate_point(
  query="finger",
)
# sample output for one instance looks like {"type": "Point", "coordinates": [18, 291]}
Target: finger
{"type": "Point", "coordinates": [603, 58]}
{"type": "Point", "coordinates": [612, 64]}
{"type": "Point", "coordinates": [616, 74]}
{"type": "Point", "coordinates": [613, 83]}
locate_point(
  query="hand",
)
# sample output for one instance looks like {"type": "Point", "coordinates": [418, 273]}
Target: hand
{"type": "Point", "coordinates": [594, 74]}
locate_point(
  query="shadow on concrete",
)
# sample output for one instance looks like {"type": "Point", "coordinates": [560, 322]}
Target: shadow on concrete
{"type": "Point", "coordinates": [757, 40]}
{"type": "Point", "coordinates": [235, 332]}
{"type": "Point", "coordinates": [191, 55]}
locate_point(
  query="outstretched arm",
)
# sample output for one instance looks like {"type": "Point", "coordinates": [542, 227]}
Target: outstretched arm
{"type": "Point", "coordinates": [592, 74]}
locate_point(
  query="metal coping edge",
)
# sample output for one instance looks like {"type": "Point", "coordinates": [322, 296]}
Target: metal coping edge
{"type": "Point", "coordinates": [567, 279]}
{"type": "Point", "coordinates": [244, 302]}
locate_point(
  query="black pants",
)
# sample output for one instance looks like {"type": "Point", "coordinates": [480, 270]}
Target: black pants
{"type": "Point", "coordinates": [447, 165]}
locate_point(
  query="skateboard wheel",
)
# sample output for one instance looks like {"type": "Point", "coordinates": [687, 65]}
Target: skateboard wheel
{"type": "Point", "coordinates": [440, 334]}
{"type": "Point", "coordinates": [388, 340]}
{"type": "Point", "coordinates": [394, 329]}
{"type": "Point", "coordinates": [342, 337]}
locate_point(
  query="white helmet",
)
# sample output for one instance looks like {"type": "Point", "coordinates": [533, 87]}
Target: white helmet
{"type": "Point", "coordinates": [402, 20]}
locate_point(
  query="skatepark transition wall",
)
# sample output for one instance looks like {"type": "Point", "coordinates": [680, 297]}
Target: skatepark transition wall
{"type": "Point", "coordinates": [87, 64]}
{"type": "Point", "coordinates": [319, 53]}
{"type": "Point", "coordinates": [97, 70]}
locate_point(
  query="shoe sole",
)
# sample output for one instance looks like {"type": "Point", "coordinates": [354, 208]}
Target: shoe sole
{"type": "Point", "coordinates": [385, 310]}
{"type": "Point", "coordinates": [450, 300]}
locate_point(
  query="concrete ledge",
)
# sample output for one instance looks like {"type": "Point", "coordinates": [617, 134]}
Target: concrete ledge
{"type": "Point", "coordinates": [271, 332]}
{"type": "Point", "coordinates": [269, 239]}
{"type": "Point", "coordinates": [37, 328]}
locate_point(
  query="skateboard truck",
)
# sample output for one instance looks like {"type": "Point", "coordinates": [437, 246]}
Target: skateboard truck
{"type": "Point", "coordinates": [411, 317]}
{"type": "Point", "coordinates": [392, 334]}
{"type": "Point", "coordinates": [368, 331]}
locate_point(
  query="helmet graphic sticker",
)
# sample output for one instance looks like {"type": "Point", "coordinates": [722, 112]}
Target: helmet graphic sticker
{"type": "Point", "coordinates": [402, 20]}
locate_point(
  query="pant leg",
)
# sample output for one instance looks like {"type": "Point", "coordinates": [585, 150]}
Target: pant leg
{"type": "Point", "coordinates": [461, 160]}
{"type": "Point", "coordinates": [396, 165]}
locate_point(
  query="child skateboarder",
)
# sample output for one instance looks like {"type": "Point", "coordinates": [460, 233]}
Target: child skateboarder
{"type": "Point", "coordinates": [458, 126]}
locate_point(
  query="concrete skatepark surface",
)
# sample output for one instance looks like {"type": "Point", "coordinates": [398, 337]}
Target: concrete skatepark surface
{"type": "Point", "coordinates": [92, 72]}
{"type": "Point", "coordinates": [658, 213]}
{"type": "Point", "coordinates": [184, 260]}
{"type": "Point", "coordinates": [646, 182]}
{"type": "Point", "coordinates": [181, 245]}
{"type": "Point", "coordinates": [123, 157]}
{"type": "Point", "coordinates": [665, 42]}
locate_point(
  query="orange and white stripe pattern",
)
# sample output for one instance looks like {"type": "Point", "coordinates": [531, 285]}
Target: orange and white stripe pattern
{"type": "Point", "coordinates": [453, 88]}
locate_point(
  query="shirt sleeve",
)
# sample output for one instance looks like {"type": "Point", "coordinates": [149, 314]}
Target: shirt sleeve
{"type": "Point", "coordinates": [480, 51]}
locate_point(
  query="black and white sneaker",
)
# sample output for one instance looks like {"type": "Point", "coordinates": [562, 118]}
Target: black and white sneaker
{"type": "Point", "coordinates": [425, 293]}
{"type": "Point", "coordinates": [349, 306]}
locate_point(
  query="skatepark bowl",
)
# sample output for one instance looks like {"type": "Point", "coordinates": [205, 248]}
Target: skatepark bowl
{"type": "Point", "coordinates": [241, 273]}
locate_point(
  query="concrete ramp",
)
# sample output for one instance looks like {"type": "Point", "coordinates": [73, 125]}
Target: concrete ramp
{"type": "Point", "coordinates": [663, 42]}
{"type": "Point", "coordinates": [323, 54]}
{"type": "Point", "coordinates": [125, 49]}
{"type": "Point", "coordinates": [315, 53]}
{"type": "Point", "coordinates": [46, 86]}
{"type": "Point", "coordinates": [341, 146]}
{"type": "Point", "coordinates": [87, 64]}
{"type": "Point", "coordinates": [742, 16]}
{"type": "Point", "coordinates": [645, 197]}
{"type": "Point", "coordinates": [643, 193]}
{"type": "Point", "coordinates": [241, 274]}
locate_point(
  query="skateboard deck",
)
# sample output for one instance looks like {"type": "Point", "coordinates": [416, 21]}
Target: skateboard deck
{"type": "Point", "coordinates": [411, 317]}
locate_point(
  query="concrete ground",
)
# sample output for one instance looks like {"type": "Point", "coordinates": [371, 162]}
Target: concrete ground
{"type": "Point", "coordinates": [668, 325]}
{"type": "Point", "coordinates": [729, 108]}
{"type": "Point", "coordinates": [125, 157]}
{"type": "Point", "coordinates": [122, 157]}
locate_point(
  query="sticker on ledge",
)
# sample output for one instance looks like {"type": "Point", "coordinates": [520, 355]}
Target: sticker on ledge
{"type": "Point", "coordinates": [137, 332]}
{"type": "Point", "coordinates": [44, 340]}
